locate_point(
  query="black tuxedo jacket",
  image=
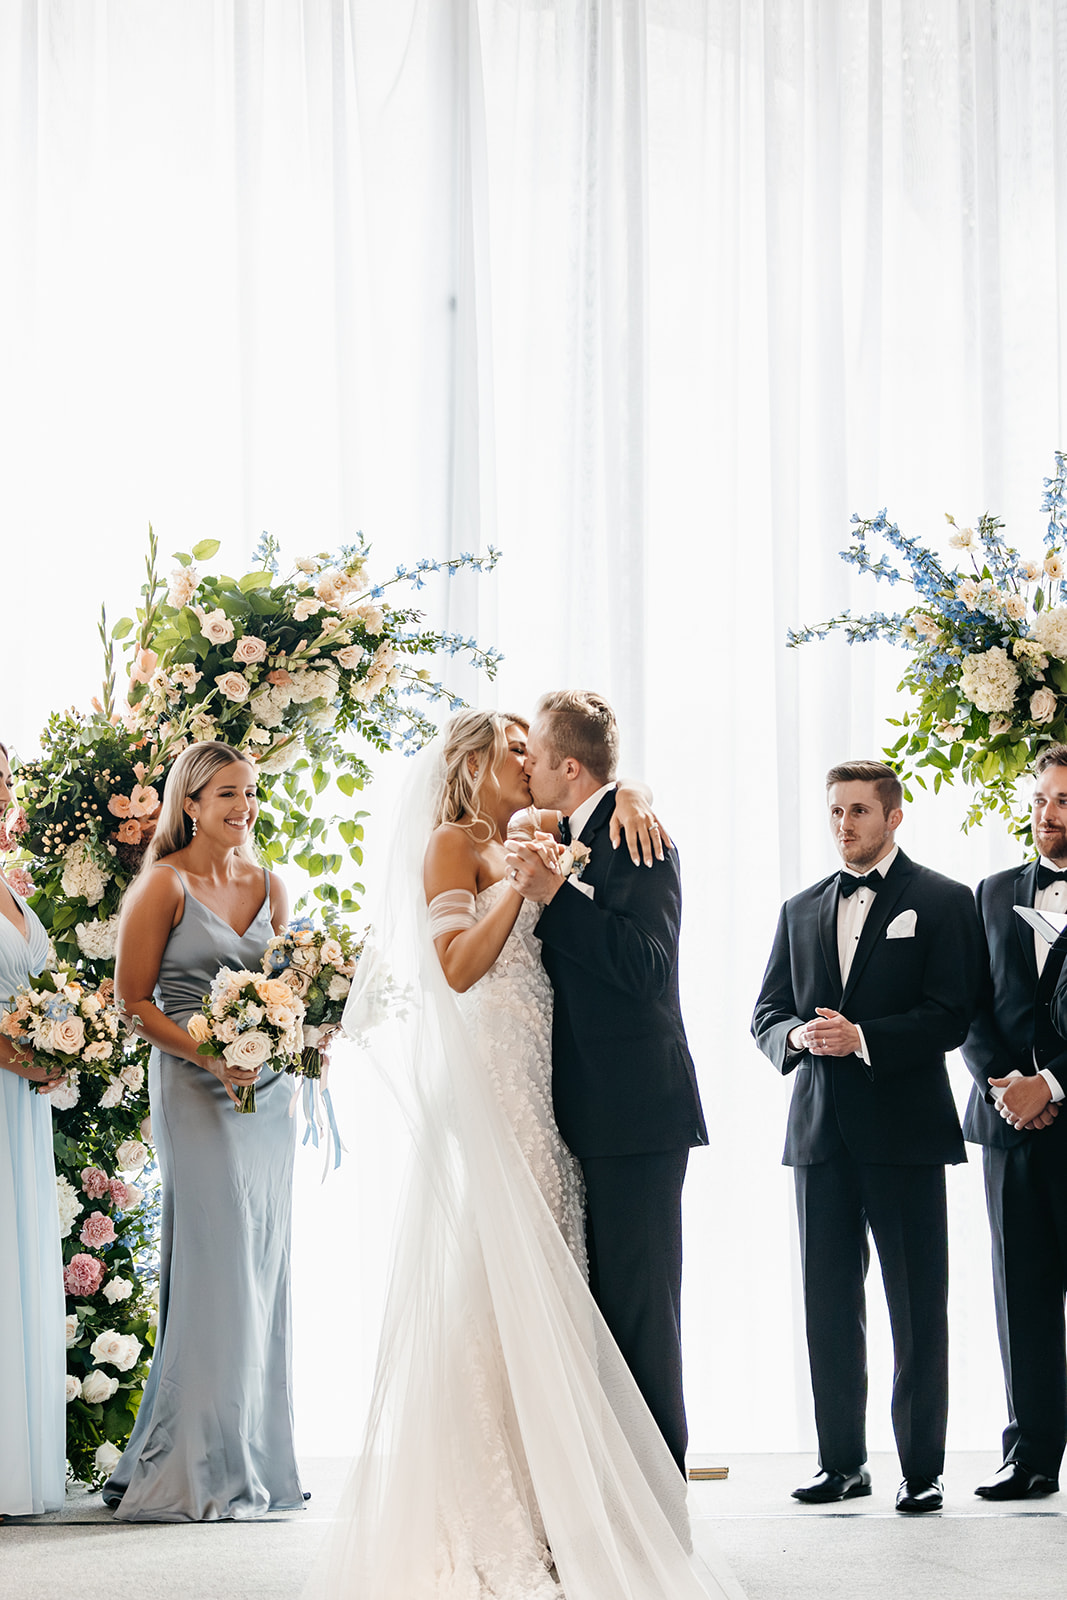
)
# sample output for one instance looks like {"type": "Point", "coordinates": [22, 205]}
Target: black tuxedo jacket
{"type": "Point", "coordinates": [913, 997]}
{"type": "Point", "coordinates": [1012, 1024]}
{"type": "Point", "coordinates": [623, 1081]}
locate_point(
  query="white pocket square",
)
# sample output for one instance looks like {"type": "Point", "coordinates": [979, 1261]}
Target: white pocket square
{"type": "Point", "coordinates": [902, 927]}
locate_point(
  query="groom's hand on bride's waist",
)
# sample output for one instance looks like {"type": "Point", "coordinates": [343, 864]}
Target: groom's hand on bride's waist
{"type": "Point", "coordinates": [531, 867]}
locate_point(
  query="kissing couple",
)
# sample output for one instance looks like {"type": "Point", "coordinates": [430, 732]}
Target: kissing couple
{"type": "Point", "coordinates": [526, 1435]}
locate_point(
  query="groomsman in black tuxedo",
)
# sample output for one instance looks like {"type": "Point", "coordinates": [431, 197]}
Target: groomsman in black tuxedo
{"type": "Point", "coordinates": [623, 1082]}
{"type": "Point", "coordinates": [1019, 1063]}
{"type": "Point", "coordinates": [872, 977]}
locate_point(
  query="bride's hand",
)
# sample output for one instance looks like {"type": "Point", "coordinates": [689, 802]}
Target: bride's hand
{"type": "Point", "coordinates": [634, 817]}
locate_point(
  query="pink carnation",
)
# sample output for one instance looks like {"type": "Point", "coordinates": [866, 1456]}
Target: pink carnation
{"type": "Point", "coordinates": [19, 880]}
{"type": "Point", "coordinates": [82, 1276]}
{"type": "Point", "coordinates": [94, 1183]}
{"type": "Point", "coordinates": [20, 824]}
{"type": "Point", "coordinates": [6, 840]}
{"type": "Point", "coordinates": [120, 1194]}
{"type": "Point", "coordinates": [97, 1230]}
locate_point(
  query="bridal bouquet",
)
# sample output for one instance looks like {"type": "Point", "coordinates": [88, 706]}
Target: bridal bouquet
{"type": "Point", "coordinates": [317, 964]}
{"type": "Point", "coordinates": [71, 1025]}
{"type": "Point", "coordinates": [252, 1021]}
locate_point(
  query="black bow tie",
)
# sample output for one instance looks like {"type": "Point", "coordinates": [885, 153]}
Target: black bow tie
{"type": "Point", "coordinates": [850, 883]}
{"type": "Point", "coordinates": [565, 830]}
{"type": "Point", "coordinates": [1046, 876]}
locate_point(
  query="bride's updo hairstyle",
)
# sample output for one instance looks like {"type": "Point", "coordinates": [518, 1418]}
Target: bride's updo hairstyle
{"type": "Point", "coordinates": [476, 743]}
{"type": "Point", "coordinates": [190, 774]}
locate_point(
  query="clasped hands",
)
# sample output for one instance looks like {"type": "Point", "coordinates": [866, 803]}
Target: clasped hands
{"type": "Point", "coordinates": [1026, 1102]}
{"type": "Point", "coordinates": [827, 1034]}
{"type": "Point", "coordinates": [533, 867]}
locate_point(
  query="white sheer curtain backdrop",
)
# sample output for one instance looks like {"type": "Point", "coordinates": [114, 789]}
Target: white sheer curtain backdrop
{"type": "Point", "coordinates": [651, 293]}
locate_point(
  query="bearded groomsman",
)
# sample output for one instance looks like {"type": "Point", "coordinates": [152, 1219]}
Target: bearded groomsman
{"type": "Point", "coordinates": [871, 979]}
{"type": "Point", "coordinates": [1019, 1064]}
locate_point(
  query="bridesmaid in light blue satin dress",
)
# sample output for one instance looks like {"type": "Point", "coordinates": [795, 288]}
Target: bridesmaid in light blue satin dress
{"type": "Point", "coordinates": [214, 1435]}
{"type": "Point", "coordinates": [33, 1447]}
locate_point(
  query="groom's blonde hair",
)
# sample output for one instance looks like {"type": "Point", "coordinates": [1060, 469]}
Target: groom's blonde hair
{"type": "Point", "coordinates": [581, 724]}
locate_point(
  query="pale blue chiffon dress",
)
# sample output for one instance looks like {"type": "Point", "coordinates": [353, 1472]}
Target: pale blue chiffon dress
{"type": "Point", "coordinates": [214, 1435]}
{"type": "Point", "coordinates": [33, 1447]}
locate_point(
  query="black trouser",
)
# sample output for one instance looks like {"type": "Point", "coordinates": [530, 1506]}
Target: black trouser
{"type": "Point", "coordinates": [634, 1234]}
{"type": "Point", "coordinates": [1026, 1195]}
{"type": "Point", "coordinates": [904, 1207]}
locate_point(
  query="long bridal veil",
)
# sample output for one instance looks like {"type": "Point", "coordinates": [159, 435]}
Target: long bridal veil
{"type": "Point", "coordinates": [508, 1453]}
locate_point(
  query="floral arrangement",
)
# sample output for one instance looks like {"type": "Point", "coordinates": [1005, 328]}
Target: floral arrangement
{"type": "Point", "coordinates": [252, 1021]}
{"type": "Point", "coordinates": [304, 660]}
{"type": "Point", "coordinates": [987, 643]}
{"type": "Point", "coordinates": [111, 1304]}
{"type": "Point", "coordinates": [573, 860]}
{"type": "Point", "coordinates": [69, 1026]}
{"type": "Point", "coordinates": [318, 965]}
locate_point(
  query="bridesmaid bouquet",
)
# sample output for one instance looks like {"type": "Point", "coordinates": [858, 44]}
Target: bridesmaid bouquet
{"type": "Point", "coordinates": [317, 964]}
{"type": "Point", "coordinates": [252, 1021]}
{"type": "Point", "coordinates": [70, 1025]}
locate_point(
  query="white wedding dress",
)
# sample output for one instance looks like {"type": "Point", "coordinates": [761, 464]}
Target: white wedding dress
{"type": "Point", "coordinates": [508, 1454]}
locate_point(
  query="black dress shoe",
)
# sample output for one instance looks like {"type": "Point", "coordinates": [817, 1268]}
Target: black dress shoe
{"type": "Point", "coordinates": [827, 1486]}
{"type": "Point", "coordinates": [920, 1494]}
{"type": "Point", "coordinates": [1015, 1481]}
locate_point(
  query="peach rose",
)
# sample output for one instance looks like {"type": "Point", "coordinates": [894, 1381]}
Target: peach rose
{"type": "Point", "coordinates": [273, 992]}
{"type": "Point", "coordinates": [234, 685]}
{"type": "Point", "coordinates": [249, 649]}
{"type": "Point", "coordinates": [198, 1027]}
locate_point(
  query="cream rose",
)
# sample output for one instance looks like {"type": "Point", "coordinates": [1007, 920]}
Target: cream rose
{"type": "Point", "coordinates": [305, 609]}
{"type": "Point", "coordinates": [68, 1035]}
{"type": "Point", "coordinates": [1053, 565]}
{"type": "Point", "coordinates": [198, 1027]}
{"type": "Point", "coordinates": [74, 1387]}
{"type": "Point", "coordinates": [116, 1349]}
{"type": "Point", "coordinates": [98, 1387]}
{"type": "Point", "coordinates": [1043, 706]}
{"type": "Point", "coordinates": [249, 1051]}
{"type": "Point", "coordinates": [234, 685]}
{"type": "Point", "coordinates": [107, 1458]}
{"type": "Point", "coordinates": [249, 649]}
{"type": "Point", "coordinates": [131, 1155]}
{"type": "Point", "coordinates": [117, 1289]}
{"type": "Point", "coordinates": [216, 627]}
{"type": "Point", "coordinates": [338, 987]}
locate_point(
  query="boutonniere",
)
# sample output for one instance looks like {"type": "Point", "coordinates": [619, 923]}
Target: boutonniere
{"type": "Point", "coordinates": [573, 861]}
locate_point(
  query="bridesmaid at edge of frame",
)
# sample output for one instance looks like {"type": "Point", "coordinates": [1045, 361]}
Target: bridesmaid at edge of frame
{"type": "Point", "coordinates": [33, 1452]}
{"type": "Point", "coordinates": [214, 1434]}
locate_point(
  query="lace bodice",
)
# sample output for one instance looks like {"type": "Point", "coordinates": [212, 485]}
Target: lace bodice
{"type": "Point", "coordinates": [509, 1012]}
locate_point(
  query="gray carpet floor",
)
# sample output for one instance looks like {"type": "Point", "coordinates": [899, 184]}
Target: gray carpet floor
{"type": "Point", "coordinates": [778, 1549]}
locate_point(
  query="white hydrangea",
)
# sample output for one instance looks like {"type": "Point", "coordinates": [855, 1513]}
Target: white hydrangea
{"type": "Point", "coordinates": [69, 1205]}
{"type": "Point", "coordinates": [989, 680]}
{"type": "Point", "coordinates": [1050, 631]}
{"type": "Point", "coordinates": [82, 878]}
{"type": "Point", "coordinates": [96, 940]}
{"type": "Point", "coordinates": [268, 706]}
{"type": "Point", "coordinates": [280, 757]}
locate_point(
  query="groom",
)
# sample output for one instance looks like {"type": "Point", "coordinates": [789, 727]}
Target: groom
{"type": "Point", "coordinates": [624, 1085]}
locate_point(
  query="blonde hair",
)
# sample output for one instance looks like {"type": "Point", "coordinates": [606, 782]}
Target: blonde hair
{"type": "Point", "coordinates": [483, 735]}
{"type": "Point", "coordinates": [186, 780]}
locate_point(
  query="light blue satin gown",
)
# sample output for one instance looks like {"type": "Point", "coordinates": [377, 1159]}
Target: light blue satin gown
{"type": "Point", "coordinates": [33, 1446]}
{"type": "Point", "coordinates": [214, 1435]}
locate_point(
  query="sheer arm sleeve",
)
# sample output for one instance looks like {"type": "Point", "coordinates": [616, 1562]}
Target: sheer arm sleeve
{"type": "Point", "coordinates": [451, 912]}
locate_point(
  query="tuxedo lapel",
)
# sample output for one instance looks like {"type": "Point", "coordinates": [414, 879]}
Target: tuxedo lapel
{"type": "Point", "coordinates": [600, 819]}
{"type": "Point", "coordinates": [878, 917]}
{"type": "Point", "coordinates": [1025, 890]}
{"type": "Point", "coordinates": [827, 918]}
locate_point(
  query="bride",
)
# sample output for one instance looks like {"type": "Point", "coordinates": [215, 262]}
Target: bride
{"type": "Point", "coordinates": [508, 1453]}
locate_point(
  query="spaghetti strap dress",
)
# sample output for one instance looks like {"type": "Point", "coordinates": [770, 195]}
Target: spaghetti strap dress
{"type": "Point", "coordinates": [214, 1434]}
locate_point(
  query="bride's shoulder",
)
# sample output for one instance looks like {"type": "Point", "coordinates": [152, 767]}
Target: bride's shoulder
{"type": "Point", "coordinates": [451, 860]}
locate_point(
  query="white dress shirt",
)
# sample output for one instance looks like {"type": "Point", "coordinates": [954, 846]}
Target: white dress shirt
{"type": "Point", "coordinates": [1054, 898]}
{"type": "Point", "coordinates": [581, 814]}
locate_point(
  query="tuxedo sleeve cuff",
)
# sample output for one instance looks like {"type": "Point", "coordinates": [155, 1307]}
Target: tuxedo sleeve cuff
{"type": "Point", "coordinates": [862, 1052]}
{"type": "Point", "coordinates": [1053, 1083]}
